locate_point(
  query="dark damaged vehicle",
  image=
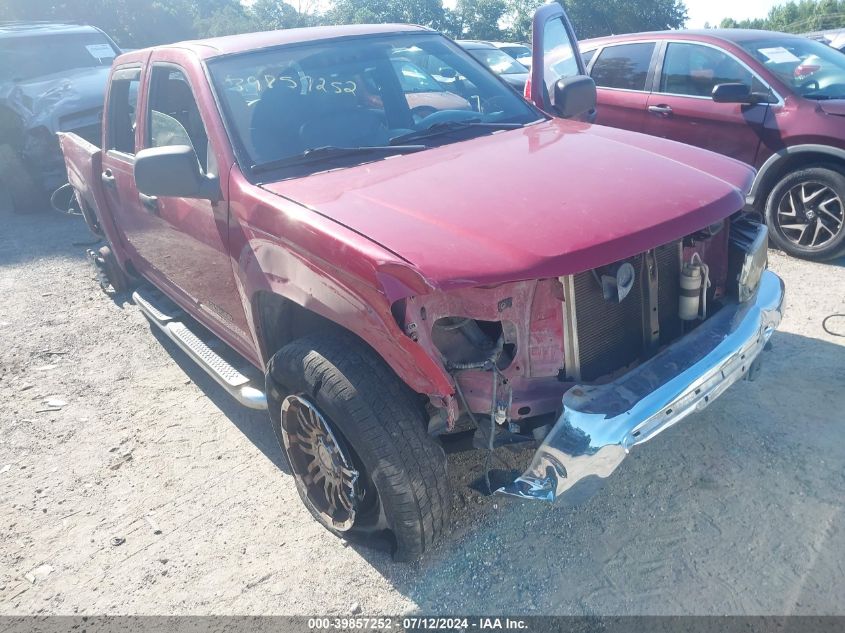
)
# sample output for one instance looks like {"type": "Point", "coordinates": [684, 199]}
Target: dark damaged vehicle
{"type": "Point", "coordinates": [52, 79]}
{"type": "Point", "coordinates": [382, 280]}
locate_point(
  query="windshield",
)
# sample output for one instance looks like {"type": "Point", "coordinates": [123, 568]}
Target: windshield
{"type": "Point", "coordinates": [499, 62]}
{"type": "Point", "coordinates": [812, 69]}
{"type": "Point", "coordinates": [517, 52]}
{"type": "Point", "coordinates": [26, 58]}
{"type": "Point", "coordinates": [362, 92]}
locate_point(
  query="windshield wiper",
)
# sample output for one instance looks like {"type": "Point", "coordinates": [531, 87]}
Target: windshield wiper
{"type": "Point", "coordinates": [450, 126]}
{"type": "Point", "coordinates": [328, 152]}
{"type": "Point", "coordinates": [824, 97]}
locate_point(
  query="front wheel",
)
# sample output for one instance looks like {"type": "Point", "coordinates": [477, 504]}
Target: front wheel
{"type": "Point", "coordinates": [354, 437]}
{"type": "Point", "coordinates": [805, 213]}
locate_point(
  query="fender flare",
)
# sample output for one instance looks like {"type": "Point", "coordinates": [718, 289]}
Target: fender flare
{"type": "Point", "coordinates": [777, 159]}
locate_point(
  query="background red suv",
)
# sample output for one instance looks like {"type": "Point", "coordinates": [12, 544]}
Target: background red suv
{"type": "Point", "coordinates": [772, 100]}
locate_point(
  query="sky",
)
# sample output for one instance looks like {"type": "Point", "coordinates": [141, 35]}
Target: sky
{"type": "Point", "coordinates": [712, 11]}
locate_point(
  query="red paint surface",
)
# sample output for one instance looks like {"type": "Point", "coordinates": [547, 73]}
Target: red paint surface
{"type": "Point", "coordinates": [456, 228]}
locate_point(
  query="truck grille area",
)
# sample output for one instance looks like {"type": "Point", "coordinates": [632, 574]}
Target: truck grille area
{"type": "Point", "coordinates": [612, 335]}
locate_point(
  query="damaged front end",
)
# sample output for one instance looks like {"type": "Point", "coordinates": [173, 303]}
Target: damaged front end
{"type": "Point", "coordinates": [34, 112]}
{"type": "Point", "coordinates": [597, 362]}
{"type": "Point", "coordinates": [600, 423]}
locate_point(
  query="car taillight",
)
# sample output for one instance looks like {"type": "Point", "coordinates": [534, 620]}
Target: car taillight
{"type": "Point", "coordinates": [527, 92]}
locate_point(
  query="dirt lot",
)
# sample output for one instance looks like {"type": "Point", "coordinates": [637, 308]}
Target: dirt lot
{"type": "Point", "coordinates": [147, 490]}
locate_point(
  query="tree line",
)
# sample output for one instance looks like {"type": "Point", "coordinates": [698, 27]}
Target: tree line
{"type": "Point", "coordinates": [796, 17]}
{"type": "Point", "coordinates": [139, 23]}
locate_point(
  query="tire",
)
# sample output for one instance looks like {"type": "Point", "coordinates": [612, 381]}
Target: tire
{"type": "Point", "coordinates": [405, 498]}
{"type": "Point", "coordinates": [26, 193]}
{"type": "Point", "coordinates": [114, 274]}
{"type": "Point", "coordinates": [802, 201]}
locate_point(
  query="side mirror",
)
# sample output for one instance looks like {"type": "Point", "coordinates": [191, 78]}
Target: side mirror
{"type": "Point", "coordinates": [574, 95]}
{"type": "Point", "coordinates": [733, 93]}
{"type": "Point", "coordinates": [173, 171]}
{"type": "Point", "coordinates": [448, 73]}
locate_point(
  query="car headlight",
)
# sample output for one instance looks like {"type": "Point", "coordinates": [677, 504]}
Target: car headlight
{"type": "Point", "coordinates": [749, 255]}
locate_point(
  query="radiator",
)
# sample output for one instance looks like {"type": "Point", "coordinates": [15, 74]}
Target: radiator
{"type": "Point", "coordinates": [612, 335]}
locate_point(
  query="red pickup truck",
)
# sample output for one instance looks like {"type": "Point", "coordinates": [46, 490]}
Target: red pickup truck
{"type": "Point", "coordinates": [383, 276]}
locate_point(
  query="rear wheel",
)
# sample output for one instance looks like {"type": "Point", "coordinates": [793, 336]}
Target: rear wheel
{"type": "Point", "coordinates": [805, 213]}
{"type": "Point", "coordinates": [354, 437]}
{"type": "Point", "coordinates": [26, 193]}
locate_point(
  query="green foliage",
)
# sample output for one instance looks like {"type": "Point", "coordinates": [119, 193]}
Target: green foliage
{"type": "Point", "coordinates": [518, 16]}
{"type": "Point", "coordinates": [138, 23]}
{"type": "Point", "coordinates": [612, 17]}
{"type": "Point", "coordinates": [131, 23]}
{"type": "Point", "coordinates": [476, 19]}
{"type": "Point", "coordinates": [796, 17]}
{"type": "Point", "coordinates": [226, 20]}
{"type": "Point", "coordinates": [424, 12]}
{"type": "Point", "coordinates": [594, 19]}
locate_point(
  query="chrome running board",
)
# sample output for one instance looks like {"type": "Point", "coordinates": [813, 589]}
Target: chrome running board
{"type": "Point", "coordinates": [164, 314]}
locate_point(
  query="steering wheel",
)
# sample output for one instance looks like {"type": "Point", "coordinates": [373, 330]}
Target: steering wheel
{"type": "Point", "coordinates": [441, 116]}
{"type": "Point", "coordinates": [807, 85]}
{"type": "Point", "coordinates": [420, 112]}
{"type": "Point", "coordinates": [493, 105]}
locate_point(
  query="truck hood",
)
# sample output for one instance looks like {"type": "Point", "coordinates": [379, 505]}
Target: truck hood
{"type": "Point", "coordinates": [46, 100]}
{"type": "Point", "coordinates": [553, 198]}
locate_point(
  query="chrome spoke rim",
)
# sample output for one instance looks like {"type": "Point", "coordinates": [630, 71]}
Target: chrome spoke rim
{"type": "Point", "coordinates": [320, 463]}
{"type": "Point", "coordinates": [810, 215]}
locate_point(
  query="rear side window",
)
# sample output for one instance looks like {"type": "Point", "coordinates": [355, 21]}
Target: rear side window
{"type": "Point", "coordinates": [694, 70]}
{"type": "Point", "coordinates": [624, 66]}
{"type": "Point", "coordinates": [123, 99]}
{"type": "Point", "coordinates": [174, 114]}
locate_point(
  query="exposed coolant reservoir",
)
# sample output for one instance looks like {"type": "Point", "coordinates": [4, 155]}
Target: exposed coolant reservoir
{"type": "Point", "coordinates": [690, 295]}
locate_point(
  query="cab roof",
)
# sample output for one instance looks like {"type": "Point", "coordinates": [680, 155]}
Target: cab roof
{"type": "Point", "coordinates": [230, 44]}
{"type": "Point", "coordinates": [734, 36]}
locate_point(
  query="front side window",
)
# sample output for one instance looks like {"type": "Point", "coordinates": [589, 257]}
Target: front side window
{"type": "Point", "coordinates": [559, 60]}
{"type": "Point", "coordinates": [123, 99]}
{"type": "Point", "coordinates": [624, 66]}
{"type": "Point", "coordinates": [174, 118]}
{"type": "Point", "coordinates": [812, 69]}
{"type": "Point", "coordinates": [357, 93]}
{"type": "Point", "coordinates": [694, 70]}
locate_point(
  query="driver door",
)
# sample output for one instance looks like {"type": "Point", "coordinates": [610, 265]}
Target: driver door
{"type": "Point", "coordinates": [555, 56]}
{"type": "Point", "coordinates": [184, 242]}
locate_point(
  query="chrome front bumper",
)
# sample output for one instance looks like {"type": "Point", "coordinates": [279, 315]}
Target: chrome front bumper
{"type": "Point", "coordinates": [601, 423]}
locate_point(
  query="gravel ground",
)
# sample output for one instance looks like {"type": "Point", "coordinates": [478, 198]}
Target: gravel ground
{"type": "Point", "coordinates": [147, 490]}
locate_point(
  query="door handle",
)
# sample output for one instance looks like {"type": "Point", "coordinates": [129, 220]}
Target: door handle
{"type": "Point", "coordinates": [149, 202]}
{"type": "Point", "coordinates": [662, 110]}
{"type": "Point", "coordinates": [108, 178]}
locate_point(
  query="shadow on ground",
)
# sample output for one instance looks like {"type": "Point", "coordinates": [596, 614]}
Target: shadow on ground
{"type": "Point", "coordinates": [255, 425]}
